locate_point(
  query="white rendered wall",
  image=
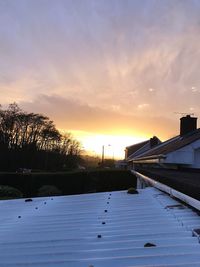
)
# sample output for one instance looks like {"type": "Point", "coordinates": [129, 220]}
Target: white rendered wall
{"type": "Point", "coordinates": [189, 155]}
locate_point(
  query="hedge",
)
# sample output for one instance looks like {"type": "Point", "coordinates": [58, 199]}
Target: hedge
{"type": "Point", "coordinates": [70, 182]}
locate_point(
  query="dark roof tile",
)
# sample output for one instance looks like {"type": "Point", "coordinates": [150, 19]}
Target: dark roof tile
{"type": "Point", "coordinates": [173, 144]}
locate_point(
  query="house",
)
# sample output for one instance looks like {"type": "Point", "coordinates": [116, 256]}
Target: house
{"type": "Point", "coordinates": [137, 149]}
{"type": "Point", "coordinates": [181, 151]}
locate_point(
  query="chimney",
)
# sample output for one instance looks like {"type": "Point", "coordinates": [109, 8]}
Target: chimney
{"type": "Point", "coordinates": [188, 124]}
{"type": "Point", "coordinates": [154, 141]}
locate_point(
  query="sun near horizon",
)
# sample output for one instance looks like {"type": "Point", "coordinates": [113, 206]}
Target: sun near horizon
{"type": "Point", "coordinates": [114, 144]}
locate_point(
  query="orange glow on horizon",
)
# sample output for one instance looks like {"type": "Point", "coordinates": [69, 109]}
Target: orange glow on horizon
{"type": "Point", "coordinates": [114, 144]}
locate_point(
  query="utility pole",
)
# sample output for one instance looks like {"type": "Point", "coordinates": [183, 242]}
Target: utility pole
{"type": "Point", "coordinates": [102, 156]}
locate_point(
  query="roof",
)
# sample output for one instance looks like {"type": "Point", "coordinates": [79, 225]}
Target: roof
{"type": "Point", "coordinates": [133, 148]}
{"type": "Point", "coordinates": [68, 231]}
{"type": "Point", "coordinates": [140, 148]}
{"type": "Point", "coordinates": [137, 146]}
{"type": "Point", "coordinates": [172, 144]}
{"type": "Point", "coordinates": [185, 181]}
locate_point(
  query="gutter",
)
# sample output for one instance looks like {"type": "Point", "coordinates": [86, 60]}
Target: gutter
{"type": "Point", "coordinates": [172, 192]}
{"type": "Point", "coordinates": [153, 158]}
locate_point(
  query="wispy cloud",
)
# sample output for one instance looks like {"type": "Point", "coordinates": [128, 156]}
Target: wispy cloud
{"type": "Point", "coordinates": [139, 59]}
{"type": "Point", "coordinates": [77, 116]}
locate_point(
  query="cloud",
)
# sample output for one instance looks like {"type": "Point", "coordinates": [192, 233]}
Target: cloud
{"type": "Point", "coordinates": [71, 115]}
{"type": "Point", "coordinates": [111, 55]}
{"type": "Point", "coordinates": [143, 106]}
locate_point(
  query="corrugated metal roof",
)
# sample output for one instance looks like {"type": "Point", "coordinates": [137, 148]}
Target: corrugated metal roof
{"type": "Point", "coordinates": [76, 231]}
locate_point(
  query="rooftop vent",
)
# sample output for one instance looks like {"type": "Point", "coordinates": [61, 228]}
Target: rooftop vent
{"type": "Point", "coordinates": [188, 124]}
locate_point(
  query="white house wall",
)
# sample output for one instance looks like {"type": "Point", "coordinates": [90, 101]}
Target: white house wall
{"type": "Point", "coordinates": [189, 155]}
{"type": "Point", "coordinates": [183, 156]}
{"type": "Point", "coordinates": [197, 157]}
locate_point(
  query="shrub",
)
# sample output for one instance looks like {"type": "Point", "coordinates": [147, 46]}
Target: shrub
{"type": "Point", "coordinates": [9, 192]}
{"type": "Point", "coordinates": [132, 190]}
{"type": "Point", "coordinates": [48, 190]}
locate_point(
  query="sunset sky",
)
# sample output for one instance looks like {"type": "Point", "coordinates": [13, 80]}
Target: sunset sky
{"type": "Point", "coordinates": [109, 71]}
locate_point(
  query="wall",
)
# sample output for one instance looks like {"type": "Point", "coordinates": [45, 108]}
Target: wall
{"type": "Point", "coordinates": [189, 155]}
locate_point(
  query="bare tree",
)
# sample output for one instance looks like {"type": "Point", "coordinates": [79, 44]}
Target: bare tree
{"type": "Point", "coordinates": [21, 131]}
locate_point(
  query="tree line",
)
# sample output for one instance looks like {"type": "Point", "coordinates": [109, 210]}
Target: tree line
{"type": "Point", "coordinates": [31, 140]}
